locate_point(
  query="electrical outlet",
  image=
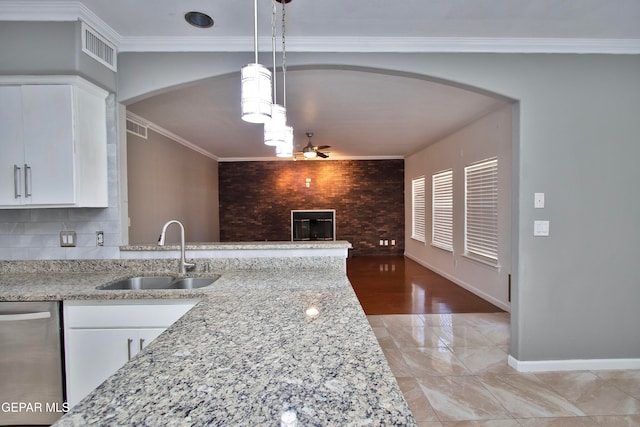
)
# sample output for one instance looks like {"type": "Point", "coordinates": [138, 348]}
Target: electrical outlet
{"type": "Point", "coordinates": [386, 243]}
{"type": "Point", "coordinates": [540, 228]}
{"type": "Point", "coordinates": [381, 242]}
{"type": "Point", "coordinates": [99, 238]}
{"type": "Point", "coordinates": [67, 239]}
{"type": "Point", "coordinates": [393, 242]}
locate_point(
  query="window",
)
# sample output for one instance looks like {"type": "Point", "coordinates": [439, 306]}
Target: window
{"type": "Point", "coordinates": [481, 210]}
{"type": "Point", "coordinates": [442, 210]}
{"type": "Point", "coordinates": [417, 217]}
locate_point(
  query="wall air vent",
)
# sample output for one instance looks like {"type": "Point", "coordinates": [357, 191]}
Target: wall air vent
{"type": "Point", "coordinates": [98, 47]}
{"type": "Point", "coordinates": [136, 128]}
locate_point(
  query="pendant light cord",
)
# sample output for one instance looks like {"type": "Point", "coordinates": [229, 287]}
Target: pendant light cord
{"type": "Point", "coordinates": [255, 29]}
{"type": "Point", "coordinates": [284, 57]}
{"type": "Point", "coordinates": [273, 49]}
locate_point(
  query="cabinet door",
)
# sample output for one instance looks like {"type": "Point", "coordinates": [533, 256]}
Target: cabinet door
{"type": "Point", "coordinates": [145, 336]}
{"type": "Point", "coordinates": [101, 336]}
{"type": "Point", "coordinates": [93, 355]}
{"type": "Point", "coordinates": [11, 148]}
{"type": "Point", "coordinates": [48, 139]}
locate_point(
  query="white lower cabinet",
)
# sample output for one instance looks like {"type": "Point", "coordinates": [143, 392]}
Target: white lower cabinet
{"type": "Point", "coordinates": [101, 336]}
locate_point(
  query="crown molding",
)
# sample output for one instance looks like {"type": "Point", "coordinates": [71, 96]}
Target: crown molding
{"type": "Point", "coordinates": [254, 159]}
{"type": "Point", "coordinates": [56, 11]}
{"type": "Point", "coordinates": [162, 131]}
{"type": "Point", "coordinates": [34, 10]}
{"type": "Point", "coordinates": [386, 45]}
{"type": "Point", "coordinates": [73, 10]}
{"type": "Point", "coordinates": [168, 134]}
{"type": "Point", "coordinates": [176, 138]}
{"type": "Point", "coordinates": [463, 45]}
{"type": "Point", "coordinates": [291, 159]}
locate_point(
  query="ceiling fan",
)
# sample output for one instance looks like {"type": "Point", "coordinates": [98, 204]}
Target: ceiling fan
{"type": "Point", "coordinates": [311, 151]}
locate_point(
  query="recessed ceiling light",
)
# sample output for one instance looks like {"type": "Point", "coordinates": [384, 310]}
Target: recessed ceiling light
{"type": "Point", "coordinates": [198, 19]}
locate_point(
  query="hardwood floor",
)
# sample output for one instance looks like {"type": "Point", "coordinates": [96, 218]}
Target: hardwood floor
{"type": "Point", "coordinates": [398, 285]}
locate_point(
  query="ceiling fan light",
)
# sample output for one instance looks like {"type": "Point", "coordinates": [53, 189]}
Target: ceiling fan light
{"type": "Point", "coordinates": [275, 128]}
{"type": "Point", "coordinates": [308, 151]}
{"type": "Point", "coordinates": [255, 89]}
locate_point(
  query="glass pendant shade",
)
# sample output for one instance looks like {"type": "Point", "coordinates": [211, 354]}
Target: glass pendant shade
{"type": "Point", "coordinates": [275, 130]}
{"type": "Point", "coordinates": [256, 93]}
{"type": "Point", "coordinates": [285, 148]}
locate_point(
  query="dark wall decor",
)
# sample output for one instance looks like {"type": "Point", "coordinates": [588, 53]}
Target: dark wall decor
{"type": "Point", "coordinates": [256, 200]}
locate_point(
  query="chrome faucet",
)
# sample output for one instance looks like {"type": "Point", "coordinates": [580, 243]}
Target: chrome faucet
{"type": "Point", "coordinates": [183, 263]}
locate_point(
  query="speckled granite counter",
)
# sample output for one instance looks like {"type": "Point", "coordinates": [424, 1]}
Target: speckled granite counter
{"type": "Point", "coordinates": [245, 353]}
{"type": "Point", "coordinates": [229, 246]}
{"type": "Point", "coordinates": [252, 255]}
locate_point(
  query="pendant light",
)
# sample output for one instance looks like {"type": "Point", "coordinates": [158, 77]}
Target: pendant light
{"type": "Point", "coordinates": [255, 84]}
{"type": "Point", "coordinates": [284, 147]}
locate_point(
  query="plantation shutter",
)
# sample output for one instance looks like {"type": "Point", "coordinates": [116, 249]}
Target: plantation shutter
{"type": "Point", "coordinates": [442, 210]}
{"type": "Point", "coordinates": [418, 216]}
{"type": "Point", "coordinates": [481, 210]}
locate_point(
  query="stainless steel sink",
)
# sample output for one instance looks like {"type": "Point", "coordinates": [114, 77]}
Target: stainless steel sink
{"type": "Point", "coordinates": [191, 283]}
{"type": "Point", "coordinates": [159, 282]}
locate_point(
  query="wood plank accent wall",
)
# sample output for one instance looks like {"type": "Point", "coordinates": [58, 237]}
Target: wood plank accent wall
{"type": "Point", "coordinates": [256, 199]}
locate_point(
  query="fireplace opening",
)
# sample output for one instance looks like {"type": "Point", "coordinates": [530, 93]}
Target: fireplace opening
{"type": "Point", "coordinates": [313, 225]}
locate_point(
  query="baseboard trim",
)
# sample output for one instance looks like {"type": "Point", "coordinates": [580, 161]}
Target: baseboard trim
{"type": "Point", "coordinates": [462, 284]}
{"type": "Point", "coordinates": [573, 364]}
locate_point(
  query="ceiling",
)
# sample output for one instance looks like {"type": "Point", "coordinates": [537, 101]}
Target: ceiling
{"type": "Point", "coordinates": [361, 113]}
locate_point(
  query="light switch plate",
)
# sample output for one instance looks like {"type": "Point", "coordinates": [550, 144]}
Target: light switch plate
{"type": "Point", "coordinates": [538, 200]}
{"type": "Point", "coordinates": [67, 239]}
{"type": "Point", "coordinates": [541, 228]}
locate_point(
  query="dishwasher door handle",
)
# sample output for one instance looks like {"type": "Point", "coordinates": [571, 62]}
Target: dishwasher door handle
{"type": "Point", "coordinates": [24, 316]}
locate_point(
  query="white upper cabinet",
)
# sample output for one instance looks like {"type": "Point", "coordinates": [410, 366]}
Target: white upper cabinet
{"type": "Point", "coordinates": [53, 145]}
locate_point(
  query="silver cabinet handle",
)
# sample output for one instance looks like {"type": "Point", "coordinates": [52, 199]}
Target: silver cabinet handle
{"type": "Point", "coordinates": [24, 316]}
{"type": "Point", "coordinates": [27, 180]}
{"type": "Point", "coordinates": [129, 341]}
{"type": "Point", "coordinates": [16, 181]}
{"type": "Point", "coordinates": [141, 343]}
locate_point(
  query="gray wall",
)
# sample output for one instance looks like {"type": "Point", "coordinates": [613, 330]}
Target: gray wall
{"type": "Point", "coordinates": [170, 181]}
{"type": "Point", "coordinates": [576, 292]}
{"type": "Point", "coordinates": [41, 48]}
{"type": "Point", "coordinates": [490, 136]}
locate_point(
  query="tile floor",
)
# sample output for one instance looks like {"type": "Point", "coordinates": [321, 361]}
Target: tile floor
{"type": "Point", "coordinates": [453, 371]}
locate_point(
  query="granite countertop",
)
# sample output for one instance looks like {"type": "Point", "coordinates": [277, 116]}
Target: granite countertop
{"type": "Point", "coordinates": [325, 244]}
{"type": "Point", "coordinates": [56, 286]}
{"type": "Point", "coordinates": [244, 354]}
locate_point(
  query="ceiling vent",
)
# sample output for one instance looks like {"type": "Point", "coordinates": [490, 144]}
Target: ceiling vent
{"type": "Point", "coordinates": [136, 128]}
{"type": "Point", "coordinates": [98, 47]}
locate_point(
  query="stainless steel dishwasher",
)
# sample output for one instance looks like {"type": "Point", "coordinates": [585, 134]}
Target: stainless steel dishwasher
{"type": "Point", "coordinates": [31, 385]}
